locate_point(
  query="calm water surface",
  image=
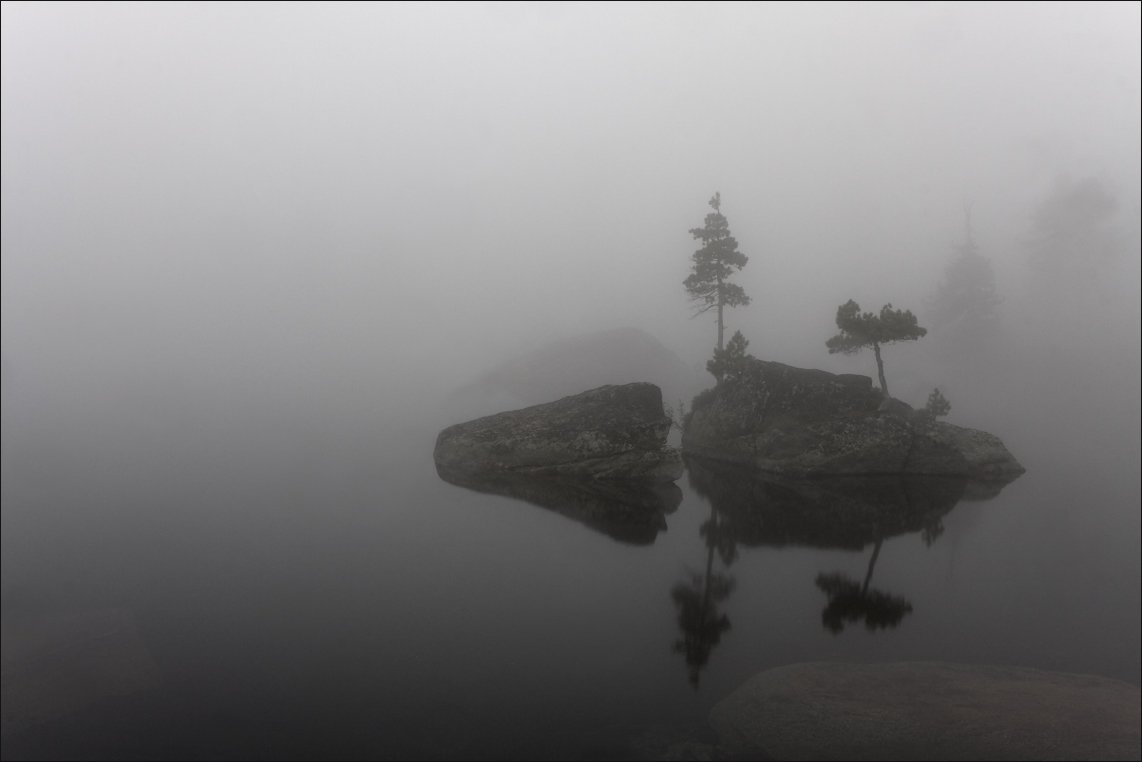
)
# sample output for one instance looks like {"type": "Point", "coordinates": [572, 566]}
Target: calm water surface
{"type": "Point", "coordinates": [268, 590]}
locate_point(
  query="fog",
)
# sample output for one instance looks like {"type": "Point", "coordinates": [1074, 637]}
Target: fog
{"type": "Point", "coordinates": [264, 210]}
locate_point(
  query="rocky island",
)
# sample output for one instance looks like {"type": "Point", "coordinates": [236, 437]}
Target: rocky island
{"type": "Point", "coordinates": [797, 422]}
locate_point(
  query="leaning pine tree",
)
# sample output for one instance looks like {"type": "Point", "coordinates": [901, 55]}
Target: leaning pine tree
{"type": "Point", "coordinates": [713, 264]}
{"type": "Point", "coordinates": [860, 330]}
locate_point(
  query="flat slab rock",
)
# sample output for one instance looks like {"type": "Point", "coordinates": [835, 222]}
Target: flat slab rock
{"type": "Point", "coordinates": [929, 711]}
{"type": "Point", "coordinates": [612, 432]}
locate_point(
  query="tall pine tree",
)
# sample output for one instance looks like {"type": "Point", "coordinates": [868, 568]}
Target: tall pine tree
{"type": "Point", "coordinates": [713, 265]}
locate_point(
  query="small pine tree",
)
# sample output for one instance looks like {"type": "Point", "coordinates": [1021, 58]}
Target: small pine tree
{"type": "Point", "coordinates": [730, 364]}
{"type": "Point", "coordinates": [937, 405]}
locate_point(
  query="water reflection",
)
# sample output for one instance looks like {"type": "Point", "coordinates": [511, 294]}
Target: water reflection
{"type": "Point", "coordinates": [852, 601]}
{"type": "Point", "coordinates": [752, 509]}
{"type": "Point", "coordinates": [845, 512]}
{"type": "Point", "coordinates": [632, 512]}
{"type": "Point", "coordinates": [697, 599]}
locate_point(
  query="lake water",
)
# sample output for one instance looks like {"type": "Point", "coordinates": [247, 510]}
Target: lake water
{"type": "Point", "coordinates": [257, 589]}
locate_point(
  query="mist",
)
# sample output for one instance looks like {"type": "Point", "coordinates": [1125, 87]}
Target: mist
{"type": "Point", "coordinates": [315, 206]}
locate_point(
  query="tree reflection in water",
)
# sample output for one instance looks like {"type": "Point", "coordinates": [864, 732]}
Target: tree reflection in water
{"type": "Point", "coordinates": [697, 600]}
{"type": "Point", "coordinates": [851, 601]}
{"type": "Point", "coordinates": [753, 509]}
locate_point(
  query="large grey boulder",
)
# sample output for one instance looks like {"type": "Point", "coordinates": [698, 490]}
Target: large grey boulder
{"type": "Point", "coordinates": [612, 432]}
{"type": "Point", "coordinates": [799, 422]}
{"type": "Point", "coordinates": [928, 711]}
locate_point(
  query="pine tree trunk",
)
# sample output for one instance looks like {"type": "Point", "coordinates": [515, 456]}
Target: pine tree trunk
{"type": "Point", "coordinates": [720, 328]}
{"type": "Point", "coordinates": [880, 369]}
{"type": "Point", "coordinates": [720, 324]}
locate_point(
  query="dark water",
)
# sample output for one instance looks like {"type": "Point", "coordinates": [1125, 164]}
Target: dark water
{"type": "Point", "coordinates": [268, 590]}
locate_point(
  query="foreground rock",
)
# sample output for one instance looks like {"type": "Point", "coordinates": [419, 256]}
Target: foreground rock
{"type": "Point", "coordinates": [612, 432]}
{"type": "Point", "coordinates": [928, 710]}
{"type": "Point", "coordinates": [799, 422]}
{"type": "Point", "coordinates": [631, 512]}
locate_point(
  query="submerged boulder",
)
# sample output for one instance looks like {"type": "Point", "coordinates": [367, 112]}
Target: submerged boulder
{"type": "Point", "coordinates": [927, 710]}
{"type": "Point", "coordinates": [799, 422]}
{"type": "Point", "coordinates": [612, 432]}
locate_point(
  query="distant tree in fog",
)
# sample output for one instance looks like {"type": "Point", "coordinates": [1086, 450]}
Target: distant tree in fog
{"type": "Point", "coordinates": [1070, 228]}
{"type": "Point", "coordinates": [1081, 250]}
{"type": "Point", "coordinates": [860, 330]}
{"type": "Point", "coordinates": [1078, 249]}
{"type": "Point", "coordinates": [965, 305]}
{"type": "Point", "coordinates": [713, 265]}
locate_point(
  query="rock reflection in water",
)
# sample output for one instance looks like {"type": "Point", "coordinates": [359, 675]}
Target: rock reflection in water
{"type": "Point", "coordinates": [844, 512]}
{"type": "Point", "coordinates": [632, 512]}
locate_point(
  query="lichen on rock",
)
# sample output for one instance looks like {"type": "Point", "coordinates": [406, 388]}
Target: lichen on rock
{"type": "Point", "coordinates": [799, 422]}
{"type": "Point", "coordinates": [612, 432]}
